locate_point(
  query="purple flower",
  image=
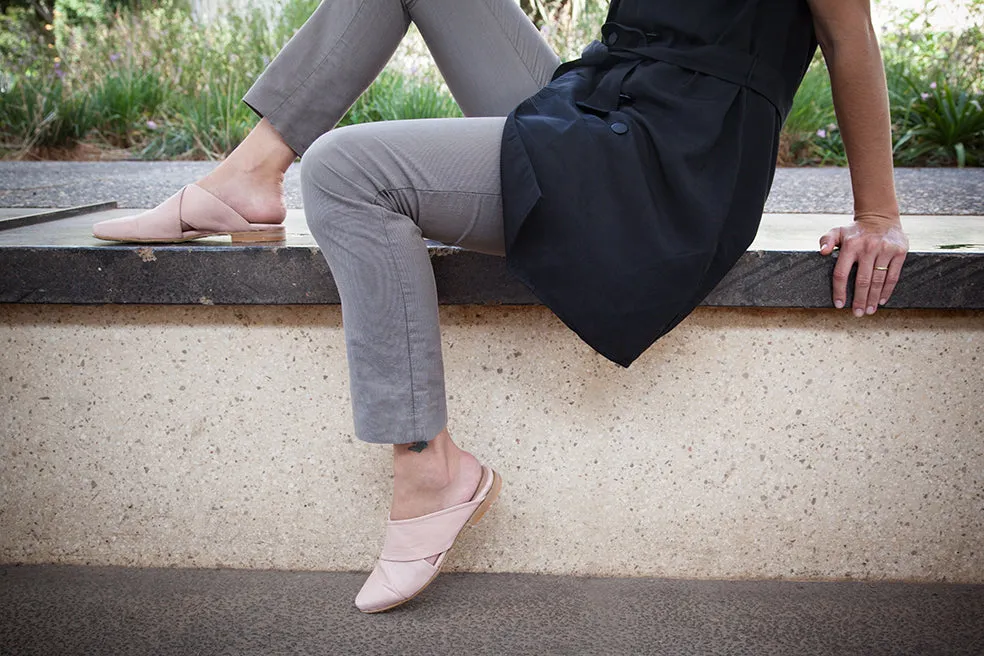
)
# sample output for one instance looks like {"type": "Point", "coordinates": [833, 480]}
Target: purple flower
{"type": "Point", "coordinates": [151, 125]}
{"type": "Point", "coordinates": [822, 133]}
{"type": "Point", "coordinates": [924, 95]}
{"type": "Point", "coordinates": [114, 57]}
{"type": "Point", "coordinates": [59, 72]}
{"type": "Point", "coordinates": [932, 85]}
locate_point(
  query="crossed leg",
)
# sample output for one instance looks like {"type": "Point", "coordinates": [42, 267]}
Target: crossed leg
{"type": "Point", "coordinates": [488, 51]}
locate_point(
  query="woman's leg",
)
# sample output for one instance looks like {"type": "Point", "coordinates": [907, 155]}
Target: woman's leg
{"type": "Point", "coordinates": [489, 52]}
{"type": "Point", "coordinates": [371, 192]}
{"type": "Point", "coordinates": [492, 57]}
{"type": "Point", "coordinates": [303, 93]}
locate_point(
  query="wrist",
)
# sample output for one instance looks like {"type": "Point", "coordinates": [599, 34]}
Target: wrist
{"type": "Point", "coordinates": [889, 218]}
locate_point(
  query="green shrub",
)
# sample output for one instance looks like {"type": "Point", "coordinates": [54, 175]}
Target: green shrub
{"type": "Point", "coordinates": [942, 126]}
{"type": "Point", "coordinates": [123, 102]}
{"type": "Point", "coordinates": [393, 97]}
{"type": "Point", "coordinates": [164, 85]}
{"type": "Point", "coordinates": [42, 112]}
{"type": "Point", "coordinates": [934, 86]}
{"type": "Point", "coordinates": [812, 114]}
{"type": "Point", "coordinates": [207, 125]}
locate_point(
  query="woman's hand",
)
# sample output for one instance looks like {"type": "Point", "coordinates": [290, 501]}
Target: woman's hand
{"type": "Point", "coordinates": [875, 242]}
{"type": "Point", "coordinates": [878, 246]}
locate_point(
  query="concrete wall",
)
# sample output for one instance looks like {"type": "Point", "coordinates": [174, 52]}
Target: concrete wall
{"type": "Point", "coordinates": [778, 443]}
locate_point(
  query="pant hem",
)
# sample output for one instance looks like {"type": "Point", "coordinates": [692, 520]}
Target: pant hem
{"type": "Point", "coordinates": [297, 144]}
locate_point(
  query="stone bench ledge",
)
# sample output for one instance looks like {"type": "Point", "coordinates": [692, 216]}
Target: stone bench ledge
{"type": "Point", "coordinates": [60, 262]}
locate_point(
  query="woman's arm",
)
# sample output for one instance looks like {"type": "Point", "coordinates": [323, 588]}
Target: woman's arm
{"type": "Point", "coordinates": [875, 241]}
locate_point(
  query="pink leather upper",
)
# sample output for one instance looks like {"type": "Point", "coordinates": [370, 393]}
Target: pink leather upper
{"type": "Point", "coordinates": [423, 537]}
{"type": "Point", "coordinates": [191, 212]}
{"type": "Point", "coordinates": [402, 569]}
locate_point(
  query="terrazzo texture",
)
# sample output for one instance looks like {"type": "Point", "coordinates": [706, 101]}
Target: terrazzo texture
{"type": "Point", "coordinates": [747, 443]}
{"type": "Point", "coordinates": [78, 610]}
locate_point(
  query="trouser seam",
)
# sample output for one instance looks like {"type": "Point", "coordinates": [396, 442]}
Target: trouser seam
{"type": "Point", "coordinates": [406, 321]}
{"type": "Point", "coordinates": [512, 42]}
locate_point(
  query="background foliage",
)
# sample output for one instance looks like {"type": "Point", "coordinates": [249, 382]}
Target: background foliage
{"type": "Point", "coordinates": [130, 78]}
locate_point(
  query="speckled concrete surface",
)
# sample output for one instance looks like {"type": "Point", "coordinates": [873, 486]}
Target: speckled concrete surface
{"type": "Point", "coordinates": [799, 444]}
{"type": "Point", "coordinates": [145, 184]}
{"type": "Point", "coordinates": [85, 611]}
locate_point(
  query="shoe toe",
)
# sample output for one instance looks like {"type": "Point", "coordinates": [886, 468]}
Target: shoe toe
{"type": "Point", "coordinates": [392, 583]}
{"type": "Point", "coordinates": [112, 228]}
{"type": "Point", "coordinates": [377, 594]}
{"type": "Point", "coordinates": [161, 223]}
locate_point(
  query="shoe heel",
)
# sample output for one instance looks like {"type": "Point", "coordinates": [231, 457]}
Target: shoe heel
{"type": "Point", "coordinates": [489, 500]}
{"type": "Point", "coordinates": [257, 236]}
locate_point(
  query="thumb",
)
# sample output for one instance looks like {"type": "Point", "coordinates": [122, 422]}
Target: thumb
{"type": "Point", "coordinates": [830, 241]}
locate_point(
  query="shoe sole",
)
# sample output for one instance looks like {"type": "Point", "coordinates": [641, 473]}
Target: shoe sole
{"type": "Point", "coordinates": [249, 237]}
{"type": "Point", "coordinates": [474, 519]}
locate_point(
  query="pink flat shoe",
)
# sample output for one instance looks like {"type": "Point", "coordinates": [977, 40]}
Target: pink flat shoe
{"type": "Point", "coordinates": [402, 570]}
{"type": "Point", "coordinates": [192, 213]}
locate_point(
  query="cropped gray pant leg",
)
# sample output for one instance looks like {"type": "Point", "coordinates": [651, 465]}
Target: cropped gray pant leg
{"type": "Point", "coordinates": [373, 191]}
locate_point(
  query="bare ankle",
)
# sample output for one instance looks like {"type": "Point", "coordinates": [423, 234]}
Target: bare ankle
{"type": "Point", "coordinates": [432, 464]}
{"type": "Point", "coordinates": [262, 152]}
{"type": "Point", "coordinates": [432, 475]}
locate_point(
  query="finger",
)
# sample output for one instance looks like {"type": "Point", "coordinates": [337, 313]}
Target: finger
{"type": "Point", "coordinates": [830, 241]}
{"type": "Point", "coordinates": [878, 277]}
{"type": "Point", "coordinates": [892, 279]}
{"type": "Point", "coordinates": [842, 271]}
{"type": "Point", "coordinates": [862, 283]}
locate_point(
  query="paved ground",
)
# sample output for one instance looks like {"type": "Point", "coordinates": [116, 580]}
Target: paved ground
{"type": "Point", "coordinates": [79, 610]}
{"type": "Point", "coordinates": [145, 184]}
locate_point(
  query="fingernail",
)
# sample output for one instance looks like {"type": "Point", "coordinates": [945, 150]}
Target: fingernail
{"type": "Point", "coordinates": [858, 312]}
{"type": "Point", "coordinates": [883, 301]}
{"type": "Point", "coordinates": [838, 304]}
{"type": "Point", "coordinates": [871, 310]}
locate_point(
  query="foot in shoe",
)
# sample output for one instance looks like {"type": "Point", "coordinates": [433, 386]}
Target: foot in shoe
{"type": "Point", "coordinates": [423, 485]}
{"type": "Point", "coordinates": [415, 549]}
{"type": "Point", "coordinates": [257, 196]}
{"type": "Point", "coordinates": [191, 213]}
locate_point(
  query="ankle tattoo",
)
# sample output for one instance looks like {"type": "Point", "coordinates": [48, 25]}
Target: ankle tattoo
{"type": "Point", "coordinates": [417, 447]}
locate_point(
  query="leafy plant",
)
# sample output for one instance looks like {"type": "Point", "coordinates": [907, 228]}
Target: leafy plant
{"type": "Point", "coordinates": [942, 125]}
{"type": "Point", "coordinates": [165, 84]}
{"type": "Point", "coordinates": [208, 125]}
{"type": "Point", "coordinates": [393, 97]}
{"type": "Point", "coordinates": [41, 112]}
{"type": "Point", "coordinates": [124, 101]}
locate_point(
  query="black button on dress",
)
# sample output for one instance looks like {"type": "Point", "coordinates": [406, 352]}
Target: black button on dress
{"type": "Point", "coordinates": [636, 179]}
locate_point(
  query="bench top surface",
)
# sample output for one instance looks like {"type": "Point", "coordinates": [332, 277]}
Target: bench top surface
{"type": "Point", "coordinates": [60, 262]}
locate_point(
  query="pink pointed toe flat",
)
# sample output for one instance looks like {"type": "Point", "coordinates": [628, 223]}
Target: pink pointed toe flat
{"type": "Point", "coordinates": [402, 570]}
{"type": "Point", "coordinates": [192, 213]}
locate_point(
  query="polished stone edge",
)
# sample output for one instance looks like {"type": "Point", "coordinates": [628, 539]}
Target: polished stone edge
{"type": "Point", "coordinates": [298, 275]}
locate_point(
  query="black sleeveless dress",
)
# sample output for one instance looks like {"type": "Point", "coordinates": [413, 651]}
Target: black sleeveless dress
{"type": "Point", "coordinates": [636, 179]}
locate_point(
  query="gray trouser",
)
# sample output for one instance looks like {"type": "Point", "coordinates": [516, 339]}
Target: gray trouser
{"type": "Point", "coordinates": [373, 191]}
